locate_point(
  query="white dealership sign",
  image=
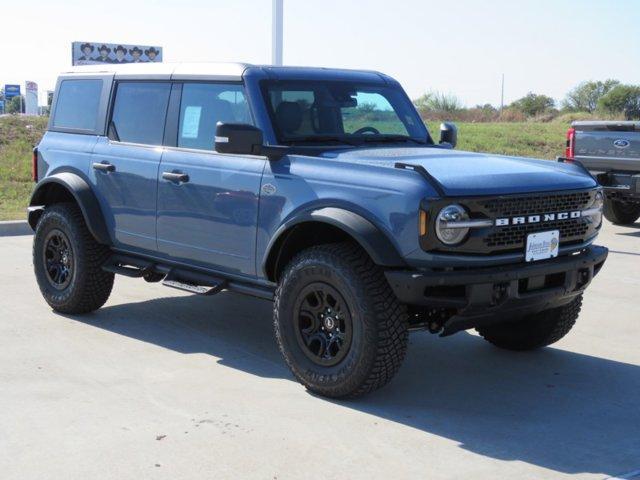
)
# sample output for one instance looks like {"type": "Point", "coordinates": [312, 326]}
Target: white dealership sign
{"type": "Point", "coordinates": [31, 98]}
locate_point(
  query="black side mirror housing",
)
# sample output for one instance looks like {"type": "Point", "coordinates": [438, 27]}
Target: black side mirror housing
{"type": "Point", "coordinates": [245, 139]}
{"type": "Point", "coordinates": [449, 134]}
{"type": "Point", "coordinates": [240, 138]}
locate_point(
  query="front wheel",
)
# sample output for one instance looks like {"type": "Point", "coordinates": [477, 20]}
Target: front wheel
{"type": "Point", "coordinates": [339, 326]}
{"type": "Point", "coordinates": [621, 213]}
{"type": "Point", "coordinates": [534, 331]}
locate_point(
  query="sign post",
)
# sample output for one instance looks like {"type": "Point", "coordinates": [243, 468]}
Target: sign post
{"type": "Point", "coordinates": [276, 33]}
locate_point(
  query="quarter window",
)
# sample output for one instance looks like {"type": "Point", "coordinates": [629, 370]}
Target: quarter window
{"type": "Point", "coordinates": [203, 105]}
{"type": "Point", "coordinates": [77, 104]}
{"type": "Point", "coordinates": [139, 112]}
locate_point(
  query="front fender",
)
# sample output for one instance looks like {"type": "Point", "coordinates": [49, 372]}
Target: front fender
{"type": "Point", "coordinates": [374, 241]}
{"type": "Point", "coordinates": [45, 194]}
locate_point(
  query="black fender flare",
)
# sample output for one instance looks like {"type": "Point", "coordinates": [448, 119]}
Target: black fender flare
{"type": "Point", "coordinates": [84, 197]}
{"type": "Point", "coordinates": [371, 238]}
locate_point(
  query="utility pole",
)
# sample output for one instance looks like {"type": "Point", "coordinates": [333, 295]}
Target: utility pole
{"type": "Point", "coordinates": [276, 33]}
{"type": "Point", "coordinates": [502, 95]}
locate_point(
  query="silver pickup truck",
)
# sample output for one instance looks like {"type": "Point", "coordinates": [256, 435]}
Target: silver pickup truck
{"type": "Point", "coordinates": [611, 152]}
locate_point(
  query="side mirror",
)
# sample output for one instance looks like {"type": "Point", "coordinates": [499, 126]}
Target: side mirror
{"type": "Point", "coordinates": [449, 134]}
{"type": "Point", "coordinates": [245, 139]}
{"type": "Point", "coordinates": [238, 138]}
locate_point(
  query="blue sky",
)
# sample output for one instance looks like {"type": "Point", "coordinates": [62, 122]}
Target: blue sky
{"type": "Point", "coordinates": [459, 47]}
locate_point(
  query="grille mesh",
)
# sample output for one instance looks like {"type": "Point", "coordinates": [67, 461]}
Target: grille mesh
{"type": "Point", "coordinates": [538, 204]}
{"type": "Point", "coordinates": [514, 236]}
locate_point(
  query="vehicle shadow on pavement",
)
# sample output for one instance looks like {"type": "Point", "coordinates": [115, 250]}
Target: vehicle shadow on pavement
{"type": "Point", "coordinates": [564, 411]}
{"type": "Point", "coordinates": [633, 230]}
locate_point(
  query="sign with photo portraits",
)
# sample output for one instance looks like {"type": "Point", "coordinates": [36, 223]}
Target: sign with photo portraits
{"type": "Point", "coordinates": [91, 53]}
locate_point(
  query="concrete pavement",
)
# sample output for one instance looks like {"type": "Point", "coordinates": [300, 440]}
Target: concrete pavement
{"type": "Point", "coordinates": [159, 384]}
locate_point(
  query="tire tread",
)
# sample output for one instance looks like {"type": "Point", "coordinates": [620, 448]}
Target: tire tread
{"type": "Point", "coordinates": [391, 316]}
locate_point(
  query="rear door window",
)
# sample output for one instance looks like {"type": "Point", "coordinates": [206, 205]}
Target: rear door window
{"type": "Point", "coordinates": [139, 112]}
{"type": "Point", "coordinates": [203, 105]}
{"type": "Point", "coordinates": [77, 105]}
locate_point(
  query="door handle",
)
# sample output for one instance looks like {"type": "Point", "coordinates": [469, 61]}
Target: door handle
{"type": "Point", "coordinates": [175, 177]}
{"type": "Point", "coordinates": [104, 167]}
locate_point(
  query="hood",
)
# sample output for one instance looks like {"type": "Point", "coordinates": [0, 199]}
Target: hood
{"type": "Point", "coordinates": [467, 174]}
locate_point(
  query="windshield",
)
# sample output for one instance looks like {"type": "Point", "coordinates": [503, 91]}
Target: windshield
{"type": "Point", "coordinates": [329, 112]}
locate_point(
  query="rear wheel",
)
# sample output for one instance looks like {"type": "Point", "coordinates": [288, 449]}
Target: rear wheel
{"type": "Point", "coordinates": [534, 331]}
{"type": "Point", "coordinates": [339, 326]}
{"type": "Point", "coordinates": [621, 213]}
{"type": "Point", "coordinates": [67, 262]}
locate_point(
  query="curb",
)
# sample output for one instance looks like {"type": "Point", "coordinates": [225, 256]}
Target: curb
{"type": "Point", "coordinates": [14, 228]}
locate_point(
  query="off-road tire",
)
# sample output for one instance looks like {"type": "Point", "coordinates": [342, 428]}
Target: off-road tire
{"type": "Point", "coordinates": [534, 331]}
{"type": "Point", "coordinates": [621, 213]}
{"type": "Point", "coordinates": [379, 340]}
{"type": "Point", "coordinates": [89, 286]}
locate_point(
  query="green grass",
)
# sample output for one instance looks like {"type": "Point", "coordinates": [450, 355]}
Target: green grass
{"type": "Point", "coordinates": [18, 135]}
{"type": "Point", "coordinates": [523, 139]}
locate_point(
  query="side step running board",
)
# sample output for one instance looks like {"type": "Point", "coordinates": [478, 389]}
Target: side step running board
{"type": "Point", "coordinates": [192, 288]}
{"type": "Point", "coordinates": [119, 265]}
{"type": "Point", "coordinates": [192, 281]}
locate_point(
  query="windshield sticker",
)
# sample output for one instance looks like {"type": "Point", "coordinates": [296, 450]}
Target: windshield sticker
{"type": "Point", "coordinates": [191, 122]}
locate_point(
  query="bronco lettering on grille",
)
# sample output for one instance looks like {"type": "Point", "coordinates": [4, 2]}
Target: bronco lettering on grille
{"type": "Point", "coordinates": [542, 218]}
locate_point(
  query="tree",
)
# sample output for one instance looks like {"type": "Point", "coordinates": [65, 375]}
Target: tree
{"type": "Point", "coordinates": [533, 104]}
{"type": "Point", "coordinates": [15, 104]}
{"type": "Point", "coordinates": [622, 99]}
{"type": "Point", "coordinates": [585, 96]}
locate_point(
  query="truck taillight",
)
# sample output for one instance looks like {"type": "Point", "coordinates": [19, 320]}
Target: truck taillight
{"type": "Point", "coordinates": [569, 152]}
{"type": "Point", "coordinates": [34, 165]}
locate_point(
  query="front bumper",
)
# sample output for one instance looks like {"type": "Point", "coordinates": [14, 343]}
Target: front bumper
{"type": "Point", "coordinates": [620, 185]}
{"type": "Point", "coordinates": [480, 296]}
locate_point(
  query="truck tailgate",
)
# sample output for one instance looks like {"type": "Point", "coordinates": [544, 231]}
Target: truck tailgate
{"type": "Point", "coordinates": [607, 146]}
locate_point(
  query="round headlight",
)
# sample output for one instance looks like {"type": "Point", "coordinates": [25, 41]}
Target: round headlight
{"type": "Point", "coordinates": [598, 204]}
{"type": "Point", "coordinates": [450, 215]}
{"type": "Point", "coordinates": [598, 200]}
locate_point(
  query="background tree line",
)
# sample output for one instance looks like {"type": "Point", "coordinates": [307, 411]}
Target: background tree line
{"type": "Point", "coordinates": [608, 99]}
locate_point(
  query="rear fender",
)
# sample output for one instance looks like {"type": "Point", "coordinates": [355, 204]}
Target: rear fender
{"type": "Point", "coordinates": [61, 187]}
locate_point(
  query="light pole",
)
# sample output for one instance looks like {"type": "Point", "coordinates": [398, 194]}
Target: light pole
{"type": "Point", "coordinates": [276, 33]}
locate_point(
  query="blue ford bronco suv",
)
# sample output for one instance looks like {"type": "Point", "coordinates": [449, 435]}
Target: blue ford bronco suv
{"type": "Point", "coordinates": [319, 189]}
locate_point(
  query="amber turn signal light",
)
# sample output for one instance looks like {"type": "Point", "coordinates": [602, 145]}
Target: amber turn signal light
{"type": "Point", "coordinates": [423, 223]}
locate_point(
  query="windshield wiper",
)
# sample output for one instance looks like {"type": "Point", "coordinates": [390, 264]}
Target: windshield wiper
{"type": "Point", "coordinates": [391, 139]}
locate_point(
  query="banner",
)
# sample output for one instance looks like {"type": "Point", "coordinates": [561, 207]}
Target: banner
{"type": "Point", "coordinates": [31, 98]}
{"type": "Point", "coordinates": [91, 53]}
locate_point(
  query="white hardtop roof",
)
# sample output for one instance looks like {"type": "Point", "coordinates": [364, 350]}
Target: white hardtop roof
{"type": "Point", "coordinates": [178, 71]}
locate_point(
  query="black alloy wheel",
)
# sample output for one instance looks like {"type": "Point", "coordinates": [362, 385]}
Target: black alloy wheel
{"type": "Point", "coordinates": [58, 259]}
{"type": "Point", "coordinates": [324, 325]}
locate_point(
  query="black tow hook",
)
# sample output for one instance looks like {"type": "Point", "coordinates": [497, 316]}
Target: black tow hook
{"type": "Point", "coordinates": [499, 293]}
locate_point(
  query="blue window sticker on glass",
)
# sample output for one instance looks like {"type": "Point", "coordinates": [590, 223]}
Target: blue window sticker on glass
{"type": "Point", "coordinates": [191, 122]}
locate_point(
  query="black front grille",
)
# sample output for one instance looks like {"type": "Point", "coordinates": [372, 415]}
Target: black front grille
{"type": "Point", "coordinates": [512, 238]}
{"type": "Point", "coordinates": [538, 204]}
{"type": "Point", "coordinates": [571, 231]}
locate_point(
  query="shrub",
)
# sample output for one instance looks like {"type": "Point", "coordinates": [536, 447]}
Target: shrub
{"type": "Point", "coordinates": [512, 115]}
{"type": "Point", "coordinates": [623, 99]}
